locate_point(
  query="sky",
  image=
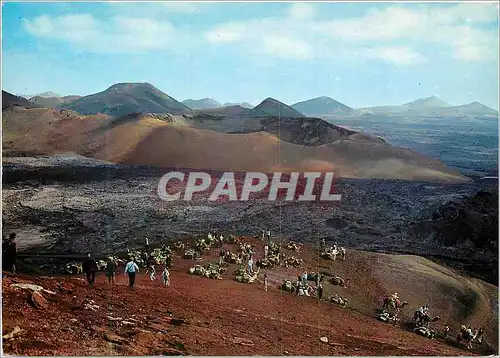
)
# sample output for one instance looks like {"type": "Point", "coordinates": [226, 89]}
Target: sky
{"type": "Point", "coordinates": [361, 54]}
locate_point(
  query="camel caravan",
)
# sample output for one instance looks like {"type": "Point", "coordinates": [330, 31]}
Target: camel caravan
{"type": "Point", "coordinates": [422, 319]}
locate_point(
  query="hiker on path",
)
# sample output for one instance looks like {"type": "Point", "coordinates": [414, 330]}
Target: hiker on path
{"type": "Point", "coordinates": [304, 278]}
{"type": "Point", "coordinates": [168, 261]}
{"type": "Point", "coordinates": [9, 253]}
{"type": "Point", "coordinates": [152, 271]}
{"type": "Point", "coordinates": [263, 234]}
{"type": "Point", "coordinates": [131, 269]}
{"type": "Point", "coordinates": [265, 282]}
{"type": "Point", "coordinates": [221, 256]}
{"type": "Point", "coordinates": [318, 279]}
{"type": "Point", "coordinates": [266, 251]}
{"type": "Point", "coordinates": [250, 266]}
{"type": "Point", "coordinates": [320, 291]}
{"type": "Point", "coordinates": [268, 234]}
{"type": "Point", "coordinates": [111, 269]}
{"type": "Point", "coordinates": [89, 266]}
{"type": "Point", "coordinates": [165, 276]}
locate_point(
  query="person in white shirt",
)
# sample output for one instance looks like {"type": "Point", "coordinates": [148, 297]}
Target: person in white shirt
{"type": "Point", "coordinates": [131, 269]}
{"type": "Point", "coordinates": [166, 277]}
{"type": "Point", "coordinates": [250, 266]}
{"type": "Point", "coordinates": [152, 272]}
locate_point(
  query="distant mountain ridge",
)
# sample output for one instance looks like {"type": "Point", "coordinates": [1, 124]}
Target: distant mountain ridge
{"type": "Point", "coordinates": [321, 106]}
{"type": "Point", "coordinates": [431, 106]}
{"type": "Point", "coordinates": [203, 103]}
{"type": "Point", "coordinates": [271, 107]}
{"type": "Point", "coordinates": [243, 104]}
{"type": "Point", "coordinates": [124, 98]}
{"type": "Point", "coordinates": [53, 102]}
{"type": "Point", "coordinates": [10, 100]}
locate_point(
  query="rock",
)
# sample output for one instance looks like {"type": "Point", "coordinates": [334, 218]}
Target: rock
{"type": "Point", "coordinates": [27, 286]}
{"type": "Point", "coordinates": [286, 353]}
{"type": "Point", "coordinates": [114, 338]}
{"type": "Point", "coordinates": [127, 323]}
{"type": "Point", "coordinates": [324, 339]}
{"type": "Point", "coordinates": [115, 319]}
{"type": "Point", "coordinates": [39, 301]}
{"type": "Point", "coordinates": [243, 341]}
{"type": "Point", "coordinates": [176, 321]}
{"type": "Point", "coordinates": [15, 332]}
{"type": "Point", "coordinates": [172, 352]}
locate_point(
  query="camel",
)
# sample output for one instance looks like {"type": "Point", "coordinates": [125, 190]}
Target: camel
{"type": "Point", "coordinates": [423, 320]}
{"type": "Point", "coordinates": [463, 335]}
{"type": "Point", "coordinates": [339, 281]}
{"type": "Point", "coordinates": [394, 304]}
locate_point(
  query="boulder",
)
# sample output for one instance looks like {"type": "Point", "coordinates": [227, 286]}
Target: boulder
{"type": "Point", "coordinates": [39, 301]}
{"type": "Point", "coordinates": [324, 339]}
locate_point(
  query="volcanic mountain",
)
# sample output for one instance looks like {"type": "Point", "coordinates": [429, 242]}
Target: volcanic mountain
{"type": "Point", "coordinates": [204, 103]}
{"type": "Point", "coordinates": [123, 98]}
{"type": "Point", "coordinates": [274, 108]}
{"type": "Point", "coordinates": [425, 103]}
{"type": "Point", "coordinates": [9, 100]}
{"type": "Point", "coordinates": [321, 106]}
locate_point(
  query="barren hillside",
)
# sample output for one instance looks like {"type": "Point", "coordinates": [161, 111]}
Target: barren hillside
{"type": "Point", "coordinates": [188, 317]}
{"type": "Point", "coordinates": [157, 141]}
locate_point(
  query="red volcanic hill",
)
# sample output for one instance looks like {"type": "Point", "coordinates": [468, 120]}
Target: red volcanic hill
{"type": "Point", "coordinates": [164, 141]}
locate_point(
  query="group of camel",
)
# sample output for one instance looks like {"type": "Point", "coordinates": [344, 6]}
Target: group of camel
{"type": "Point", "coordinates": [423, 320]}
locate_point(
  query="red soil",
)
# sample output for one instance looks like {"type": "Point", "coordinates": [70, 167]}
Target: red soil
{"type": "Point", "coordinates": [223, 317]}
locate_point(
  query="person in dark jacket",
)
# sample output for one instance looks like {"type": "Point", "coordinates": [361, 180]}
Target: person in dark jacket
{"type": "Point", "coordinates": [111, 267]}
{"type": "Point", "coordinates": [89, 266]}
{"type": "Point", "coordinates": [9, 253]}
{"type": "Point", "coordinates": [320, 291]}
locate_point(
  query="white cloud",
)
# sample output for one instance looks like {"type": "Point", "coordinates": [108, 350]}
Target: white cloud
{"type": "Point", "coordinates": [396, 34]}
{"type": "Point", "coordinates": [118, 34]}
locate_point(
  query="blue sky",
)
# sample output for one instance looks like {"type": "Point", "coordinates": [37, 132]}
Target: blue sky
{"type": "Point", "coordinates": [362, 54]}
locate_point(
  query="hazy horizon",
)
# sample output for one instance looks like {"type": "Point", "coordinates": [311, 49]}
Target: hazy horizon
{"type": "Point", "coordinates": [360, 54]}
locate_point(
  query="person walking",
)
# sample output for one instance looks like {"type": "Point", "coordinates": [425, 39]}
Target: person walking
{"type": "Point", "coordinates": [9, 253]}
{"type": "Point", "coordinates": [152, 271]}
{"type": "Point", "coordinates": [250, 266]}
{"type": "Point", "coordinates": [221, 256]}
{"type": "Point", "coordinates": [268, 235]}
{"type": "Point", "coordinates": [265, 282]}
{"type": "Point", "coordinates": [111, 269]}
{"type": "Point", "coordinates": [131, 269]}
{"type": "Point", "coordinates": [320, 291]}
{"type": "Point", "coordinates": [266, 251]}
{"type": "Point", "coordinates": [89, 266]}
{"type": "Point", "coordinates": [304, 278]}
{"type": "Point", "coordinates": [165, 276]}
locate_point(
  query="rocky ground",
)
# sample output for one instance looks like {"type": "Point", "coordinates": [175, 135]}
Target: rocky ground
{"type": "Point", "coordinates": [199, 316]}
{"type": "Point", "coordinates": [75, 204]}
